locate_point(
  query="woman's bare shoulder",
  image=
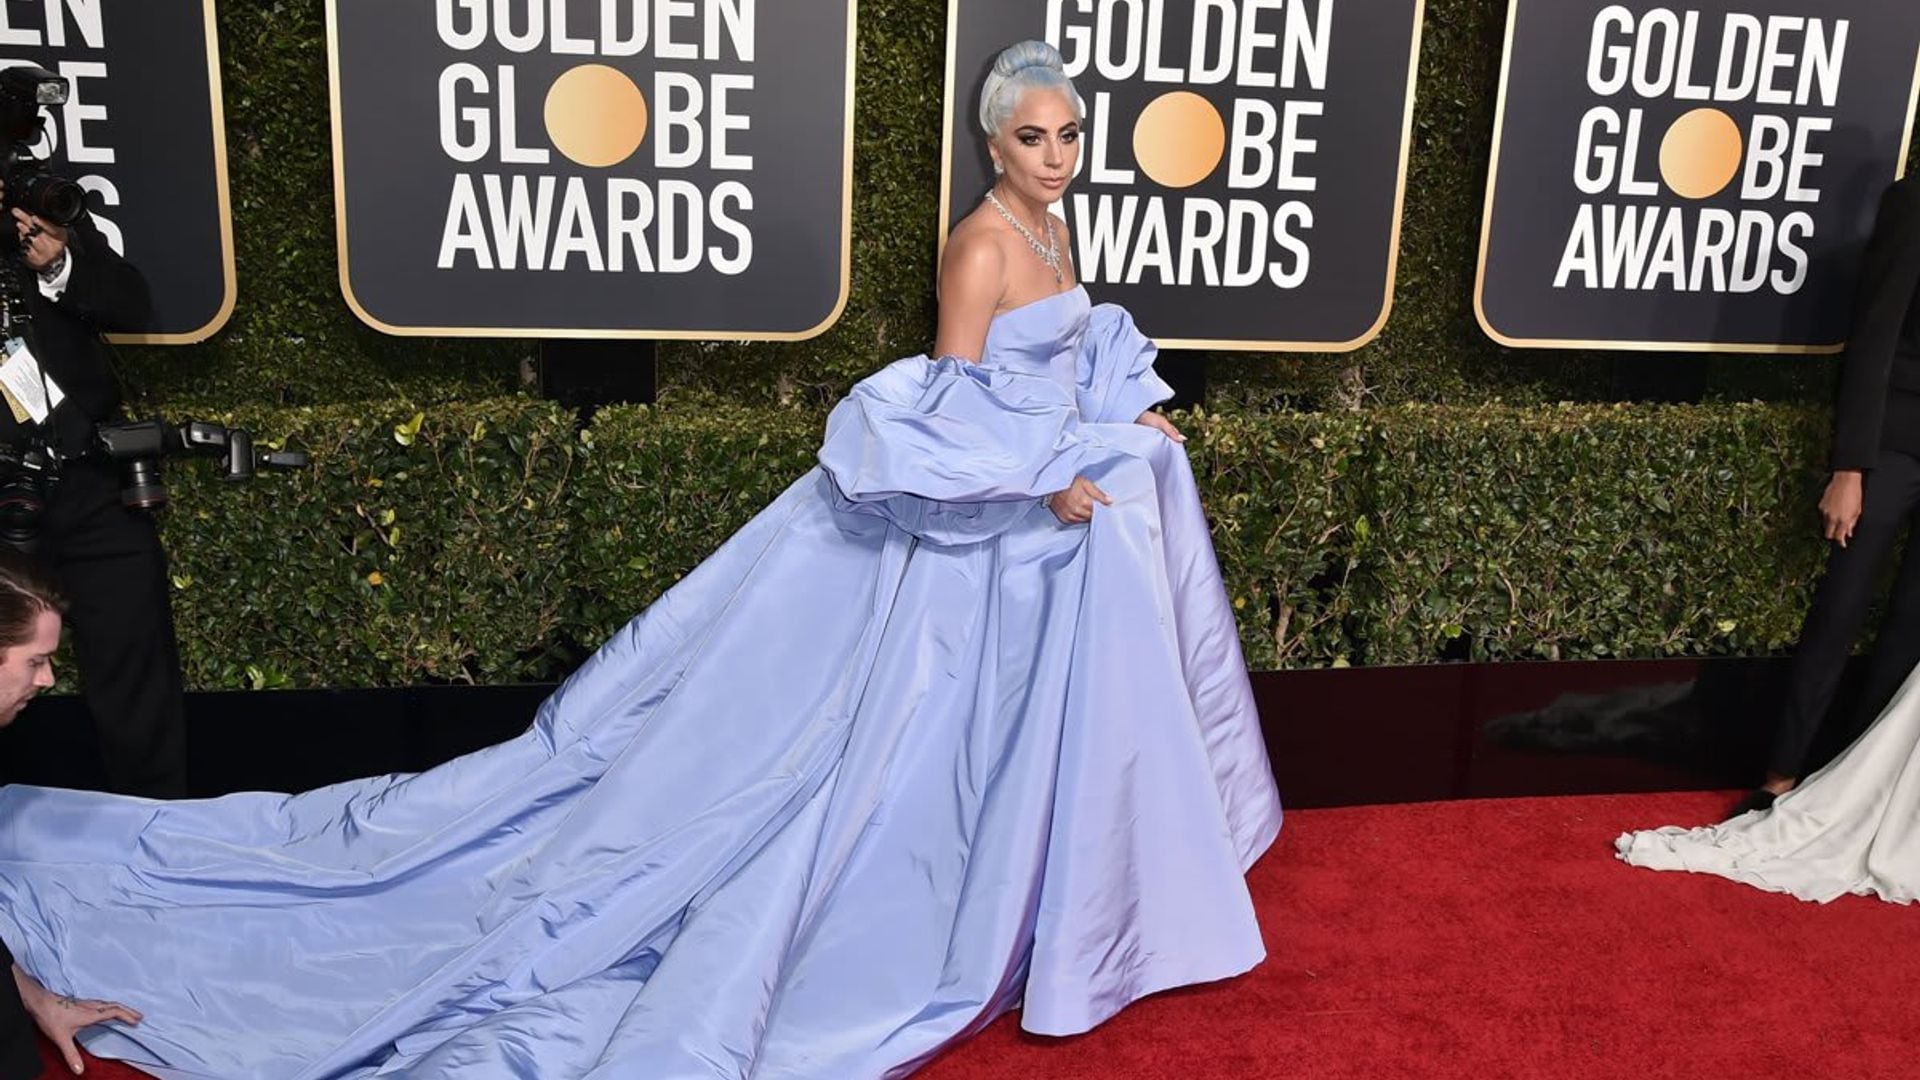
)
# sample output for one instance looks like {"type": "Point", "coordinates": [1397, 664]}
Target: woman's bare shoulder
{"type": "Point", "coordinates": [975, 254]}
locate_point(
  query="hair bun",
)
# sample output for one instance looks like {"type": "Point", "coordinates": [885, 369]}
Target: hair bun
{"type": "Point", "coordinates": [1017, 58]}
{"type": "Point", "coordinates": [1019, 68]}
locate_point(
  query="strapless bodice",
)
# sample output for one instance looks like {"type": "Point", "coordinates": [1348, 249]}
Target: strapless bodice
{"type": "Point", "coordinates": [1042, 337]}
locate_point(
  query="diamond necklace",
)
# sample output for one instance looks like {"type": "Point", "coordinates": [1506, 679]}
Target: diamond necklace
{"type": "Point", "coordinates": [1049, 252]}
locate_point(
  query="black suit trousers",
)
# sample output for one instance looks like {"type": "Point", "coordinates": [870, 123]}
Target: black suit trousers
{"type": "Point", "coordinates": [1839, 612]}
{"type": "Point", "coordinates": [110, 564]}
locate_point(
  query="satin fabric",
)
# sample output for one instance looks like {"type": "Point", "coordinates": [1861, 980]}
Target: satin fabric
{"type": "Point", "coordinates": [1851, 828]}
{"type": "Point", "coordinates": [904, 751]}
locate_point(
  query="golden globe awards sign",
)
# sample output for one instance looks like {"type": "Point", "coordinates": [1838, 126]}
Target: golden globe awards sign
{"type": "Point", "coordinates": [1240, 175]}
{"type": "Point", "coordinates": [593, 168]}
{"type": "Point", "coordinates": [1693, 176]}
{"type": "Point", "coordinates": [143, 133]}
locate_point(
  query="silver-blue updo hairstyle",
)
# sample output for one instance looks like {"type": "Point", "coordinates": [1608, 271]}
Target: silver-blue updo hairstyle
{"type": "Point", "coordinates": [1029, 65]}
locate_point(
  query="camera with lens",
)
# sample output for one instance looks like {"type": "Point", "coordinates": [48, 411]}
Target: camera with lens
{"type": "Point", "coordinates": [139, 446]}
{"type": "Point", "coordinates": [31, 185]}
{"type": "Point", "coordinates": [28, 476]}
{"type": "Point", "coordinates": [30, 473]}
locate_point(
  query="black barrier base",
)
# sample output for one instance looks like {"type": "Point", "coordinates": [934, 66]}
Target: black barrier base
{"type": "Point", "coordinates": [1336, 737]}
{"type": "Point", "coordinates": [586, 374]}
{"type": "Point", "coordinates": [291, 740]}
{"type": "Point", "coordinates": [1186, 372]}
{"type": "Point", "coordinates": [1666, 378]}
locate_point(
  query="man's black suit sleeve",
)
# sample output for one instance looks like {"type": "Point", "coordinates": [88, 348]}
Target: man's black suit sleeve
{"type": "Point", "coordinates": [1889, 275]}
{"type": "Point", "coordinates": [19, 1039]}
{"type": "Point", "coordinates": [104, 289]}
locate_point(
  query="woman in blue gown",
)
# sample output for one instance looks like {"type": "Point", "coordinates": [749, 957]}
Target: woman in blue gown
{"type": "Point", "coordinates": [958, 723]}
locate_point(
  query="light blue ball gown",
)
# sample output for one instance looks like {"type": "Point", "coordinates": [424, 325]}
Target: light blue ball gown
{"type": "Point", "coordinates": [905, 753]}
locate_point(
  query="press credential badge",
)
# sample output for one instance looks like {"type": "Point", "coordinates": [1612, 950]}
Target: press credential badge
{"type": "Point", "coordinates": [30, 392]}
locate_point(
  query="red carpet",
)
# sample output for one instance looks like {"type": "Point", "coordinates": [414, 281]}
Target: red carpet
{"type": "Point", "coordinates": [1501, 939]}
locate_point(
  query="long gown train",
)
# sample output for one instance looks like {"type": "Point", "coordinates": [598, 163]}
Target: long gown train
{"type": "Point", "coordinates": [1853, 827]}
{"type": "Point", "coordinates": [903, 753]}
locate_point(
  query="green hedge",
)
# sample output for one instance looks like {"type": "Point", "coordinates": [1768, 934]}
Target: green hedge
{"type": "Point", "coordinates": [494, 541]}
{"type": "Point", "coordinates": [413, 551]}
{"type": "Point", "coordinates": [1562, 533]}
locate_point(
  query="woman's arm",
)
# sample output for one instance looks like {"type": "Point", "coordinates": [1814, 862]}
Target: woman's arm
{"type": "Point", "coordinates": [972, 278]}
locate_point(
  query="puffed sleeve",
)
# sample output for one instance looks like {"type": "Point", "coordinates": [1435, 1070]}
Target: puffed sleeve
{"type": "Point", "coordinates": [1116, 376]}
{"type": "Point", "coordinates": [950, 451]}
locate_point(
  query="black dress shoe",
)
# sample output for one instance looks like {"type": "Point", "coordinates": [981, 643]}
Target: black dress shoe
{"type": "Point", "coordinates": [1757, 799]}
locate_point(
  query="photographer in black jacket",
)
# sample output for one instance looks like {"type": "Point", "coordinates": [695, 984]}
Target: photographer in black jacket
{"type": "Point", "coordinates": [61, 288]}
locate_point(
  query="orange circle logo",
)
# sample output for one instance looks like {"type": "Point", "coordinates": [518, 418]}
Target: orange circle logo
{"type": "Point", "coordinates": [1179, 139]}
{"type": "Point", "coordinates": [1700, 154]}
{"type": "Point", "coordinates": [596, 116]}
